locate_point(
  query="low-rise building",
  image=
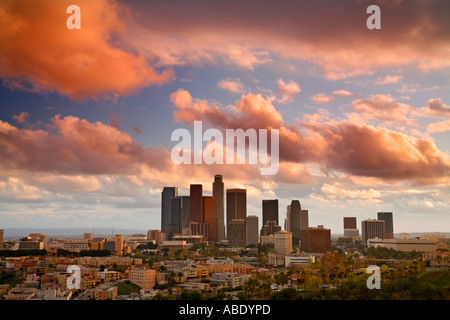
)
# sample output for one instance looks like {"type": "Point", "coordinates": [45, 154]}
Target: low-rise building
{"type": "Point", "coordinates": [230, 279]}
{"type": "Point", "coordinates": [143, 277]}
{"type": "Point", "coordinates": [109, 275]}
{"type": "Point", "coordinates": [76, 245]}
{"type": "Point", "coordinates": [294, 260]}
{"type": "Point", "coordinates": [405, 245]}
{"type": "Point", "coordinates": [437, 260]}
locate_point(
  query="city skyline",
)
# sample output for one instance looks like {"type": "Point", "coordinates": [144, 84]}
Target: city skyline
{"type": "Point", "coordinates": [86, 115]}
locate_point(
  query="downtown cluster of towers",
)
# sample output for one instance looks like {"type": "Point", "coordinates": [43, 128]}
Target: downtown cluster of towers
{"type": "Point", "coordinates": [198, 214]}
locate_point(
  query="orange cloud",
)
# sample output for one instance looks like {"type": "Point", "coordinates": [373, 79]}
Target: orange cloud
{"type": "Point", "coordinates": [39, 53]}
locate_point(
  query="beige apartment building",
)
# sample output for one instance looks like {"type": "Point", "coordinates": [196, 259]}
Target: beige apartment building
{"type": "Point", "coordinates": [143, 277]}
{"type": "Point", "coordinates": [283, 242]}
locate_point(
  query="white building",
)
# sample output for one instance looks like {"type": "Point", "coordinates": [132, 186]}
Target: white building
{"type": "Point", "coordinates": [298, 260]}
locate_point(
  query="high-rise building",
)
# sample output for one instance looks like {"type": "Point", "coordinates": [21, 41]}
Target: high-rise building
{"type": "Point", "coordinates": [315, 239]}
{"type": "Point", "coordinates": [118, 246]}
{"type": "Point", "coordinates": [167, 194]}
{"type": "Point", "coordinates": [372, 228]}
{"type": "Point", "coordinates": [1, 239]}
{"type": "Point", "coordinates": [283, 242]}
{"type": "Point", "coordinates": [287, 220]}
{"type": "Point", "coordinates": [236, 204]}
{"type": "Point", "coordinates": [350, 223]}
{"type": "Point", "coordinates": [209, 207]}
{"type": "Point", "coordinates": [304, 220]}
{"type": "Point", "coordinates": [236, 209]}
{"type": "Point", "coordinates": [156, 235]}
{"type": "Point", "coordinates": [387, 217]}
{"type": "Point", "coordinates": [350, 229]}
{"type": "Point", "coordinates": [179, 215]}
{"type": "Point", "coordinates": [196, 206]}
{"type": "Point", "coordinates": [252, 230]}
{"type": "Point", "coordinates": [294, 221]}
{"type": "Point", "coordinates": [236, 233]}
{"type": "Point", "coordinates": [270, 228]}
{"type": "Point", "coordinates": [270, 211]}
{"type": "Point", "coordinates": [218, 193]}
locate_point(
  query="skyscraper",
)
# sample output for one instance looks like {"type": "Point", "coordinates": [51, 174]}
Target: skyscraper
{"type": "Point", "coordinates": [252, 230]}
{"type": "Point", "coordinates": [387, 217]}
{"type": "Point", "coordinates": [283, 242]}
{"type": "Point", "coordinates": [236, 233]}
{"type": "Point", "coordinates": [218, 193]}
{"type": "Point", "coordinates": [179, 216]}
{"type": "Point", "coordinates": [372, 228]}
{"type": "Point", "coordinates": [349, 222]}
{"type": "Point", "coordinates": [350, 229]}
{"type": "Point", "coordinates": [294, 221]}
{"type": "Point", "coordinates": [236, 210]}
{"type": "Point", "coordinates": [166, 195]}
{"type": "Point", "coordinates": [270, 211]}
{"type": "Point", "coordinates": [236, 204]}
{"type": "Point", "coordinates": [304, 220]}
{"type": "Point", "coordinates": [1, 239]}
{"type": "Point", "coordinates": [315, 239]}
{"type": "Point", "coordinates": [209, 217]}
{"type": "Point", "coordinates": [196, 207]}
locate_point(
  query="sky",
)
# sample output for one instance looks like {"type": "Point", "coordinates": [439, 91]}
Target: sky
{"type": "Point", "coordinates": [86, 115]}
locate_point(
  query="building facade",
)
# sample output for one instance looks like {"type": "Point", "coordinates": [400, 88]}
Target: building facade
{"type": "Point", "coordinates": [283, 242]}
{"type": "Point", "coordinates": [372, 228]}
{"type": "Point", "coordinates": [315, 239]}
{"type": "Point", "coordinates": [218, 193]}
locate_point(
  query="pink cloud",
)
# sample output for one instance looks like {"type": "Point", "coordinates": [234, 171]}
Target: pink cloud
{"type": "Point", "coordinates": [289, 90]}
{"type": "Point", "coordinates": [76, 147]}
{"type": "Point", "coordinates": [384, 108]}
{"type": "Point", "coordinates": [322, 98]}
{"type": "Point", "coordinates": [232, 85]}
{"type": "Point", "coordinates": [357, 149]}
